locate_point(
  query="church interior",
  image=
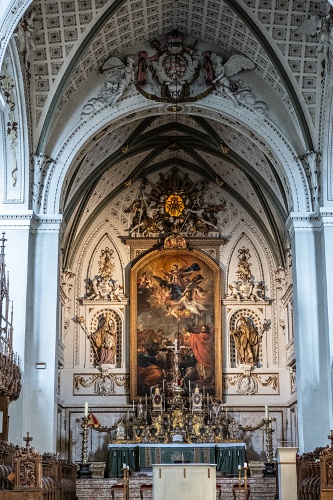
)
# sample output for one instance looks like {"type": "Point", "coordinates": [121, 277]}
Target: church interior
{"type": "Point", "coordinates": [166, 214]}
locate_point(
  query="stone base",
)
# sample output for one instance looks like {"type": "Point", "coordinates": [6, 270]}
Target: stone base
{"type": "Point", "coordinates": [97, 469]}
{"type": "Point", "coordinates": [256, 468]}
{"type": "Point", "coordinates": [86, 489]}
{"type": "Point", "coordinates": [84, 471]}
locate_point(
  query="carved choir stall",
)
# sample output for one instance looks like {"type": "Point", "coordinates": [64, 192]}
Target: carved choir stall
{"type": "Point", "coordinates": [10, 374]}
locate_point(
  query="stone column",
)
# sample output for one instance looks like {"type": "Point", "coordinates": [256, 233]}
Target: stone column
{"type": "Point", "coordinates": [287, 477]}
{"type": "Point", "coordinates": [313, 374]}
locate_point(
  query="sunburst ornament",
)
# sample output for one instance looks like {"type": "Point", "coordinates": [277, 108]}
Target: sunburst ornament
{"type": "Point", "coordinates": [174, 205]}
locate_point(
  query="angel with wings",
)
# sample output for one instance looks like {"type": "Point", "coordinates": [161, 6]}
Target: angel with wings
{"type": "Point", "coordinates": [119, 77]}
{"type": "Point", "coordinates": [25, 34]}
{"type": "Point", "coordinates": [222, 71]}
{"type": "Point", "coordinates": [322, 25]}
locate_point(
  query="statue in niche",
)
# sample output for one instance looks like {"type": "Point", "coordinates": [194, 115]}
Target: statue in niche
{"type": "Point", "coordinates": [247, 341]}
{"type": "Point", "coordinates": [104, 341]}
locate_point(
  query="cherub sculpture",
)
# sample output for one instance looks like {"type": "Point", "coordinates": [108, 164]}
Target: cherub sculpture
{"type": "Point", "coordinates": [222, 71]}
{"type": "Point", "coordinates": [119, 78]}
{"type": "Point", "coordinates": [321, 25]}
{"type": "Point", "coordinates": [25, 36]}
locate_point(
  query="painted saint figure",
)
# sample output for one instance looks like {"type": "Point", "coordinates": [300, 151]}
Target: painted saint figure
{"type": "Point", "coordinates": [104, 341]}
{"type": "Point", "coordinates": [202, 344]}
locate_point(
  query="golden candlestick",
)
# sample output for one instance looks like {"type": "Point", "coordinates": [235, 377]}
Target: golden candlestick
{"type": "Point", "coordinates": [84, 465]}
{"type": "Point", "coordinates": [126, 483]}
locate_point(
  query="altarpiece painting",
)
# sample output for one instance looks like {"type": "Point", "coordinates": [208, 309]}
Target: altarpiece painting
{"type": "Point", "coordinates": [175, 304]}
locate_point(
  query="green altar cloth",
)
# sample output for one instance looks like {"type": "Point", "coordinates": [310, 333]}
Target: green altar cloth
{"type": "Point", "coordinates": [120, 455]}
{"type": "Point", "coordinates": [228, 459]}
{"type": "Point", "coordinates": [227, 456]}
{"type": "Point", "coordinates": [149, 455]}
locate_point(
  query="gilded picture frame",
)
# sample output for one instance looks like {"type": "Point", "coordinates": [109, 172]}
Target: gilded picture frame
{"type": "Point", "coordinates": [175, 295]}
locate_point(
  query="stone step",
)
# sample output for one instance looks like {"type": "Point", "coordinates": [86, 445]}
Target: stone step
{"type": "Point", "coordinates": [88, 488]}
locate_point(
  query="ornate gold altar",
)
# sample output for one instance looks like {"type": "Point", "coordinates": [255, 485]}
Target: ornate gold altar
{"type": "Point", "coordinates": [176, 415]}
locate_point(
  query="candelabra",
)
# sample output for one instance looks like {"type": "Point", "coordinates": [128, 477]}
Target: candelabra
{"type": "Point", "coordinates": [266, 424]}
{"type": "Point", "coordinates": [242, 489]}
{"type": "Point", "coordinates": [269, 469]}
{"type": "Point", "coordinates": [126, 482]}
{"type": "Point", "coordinates": [84, 465]}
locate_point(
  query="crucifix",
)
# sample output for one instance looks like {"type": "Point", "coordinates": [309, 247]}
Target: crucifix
{"type": "Point", "coordinates": [177, 350]}
{"type": "Point", "coordinates": [27, 439]}
{"type": "Point", "coordinates": [330, 437]}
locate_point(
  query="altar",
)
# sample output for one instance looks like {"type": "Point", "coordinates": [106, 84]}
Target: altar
{"type": "Point", "coordinates": [226, 456]}
{"type": "Point", "coordinates": [195, 481]}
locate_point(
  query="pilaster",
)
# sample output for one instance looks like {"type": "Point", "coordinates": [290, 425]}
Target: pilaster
{"type": "Point", "coordinates": [42, 335]}
{"type": "Point", "coordinates": [311, 330]}
{"type": "Point", "coordinates": [32, 256]}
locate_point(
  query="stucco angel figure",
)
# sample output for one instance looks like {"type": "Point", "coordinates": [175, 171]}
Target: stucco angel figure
{"type": "Point", "coordinates": [25, 36]}
{"type": "Point", "coordinates": [222, 71]}
{"type": "Point", "coordinates": [322, 25]}
{"type": "Point", "coordinates": [119, 78]}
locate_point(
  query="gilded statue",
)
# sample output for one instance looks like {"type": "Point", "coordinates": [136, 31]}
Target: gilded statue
{"type": "Point", "coordinates": [247, 341]}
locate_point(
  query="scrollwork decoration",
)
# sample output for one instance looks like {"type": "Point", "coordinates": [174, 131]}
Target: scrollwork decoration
{"type": "Point", "coordinates": [104, 384]}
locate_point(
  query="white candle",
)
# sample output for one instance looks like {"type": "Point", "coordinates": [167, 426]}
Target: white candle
{"type": "Point", "coordinates": [266, 412]}
{"type": "Point", "coordinates": [124, 466]}
{"type": "Point", "coordinates": [85, 409]}
{"type": "Point", "coordinates": [239, 467]}
{"type": "Point", "coordinates": [245, 465]}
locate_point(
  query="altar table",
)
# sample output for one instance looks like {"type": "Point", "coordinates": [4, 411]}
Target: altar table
{"type": "Point", "coordinates": [180, 481]}
{"type": "Point", "coordinates": [226, 456]}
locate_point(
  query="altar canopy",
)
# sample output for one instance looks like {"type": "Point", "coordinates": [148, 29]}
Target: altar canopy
{"type": "Point", "coordinates": [226, 456]}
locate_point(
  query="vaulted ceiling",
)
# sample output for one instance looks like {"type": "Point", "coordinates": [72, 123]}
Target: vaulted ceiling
{"type": "Point", "coordinates": [73, 39]}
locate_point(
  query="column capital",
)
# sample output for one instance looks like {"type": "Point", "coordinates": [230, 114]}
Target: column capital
{"type": "Point", "coordinates": [46, 222]}
{"type": "Point", "coordinates": [309, 220]}
{"type": "Point", "coordinates": [303, 220]}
